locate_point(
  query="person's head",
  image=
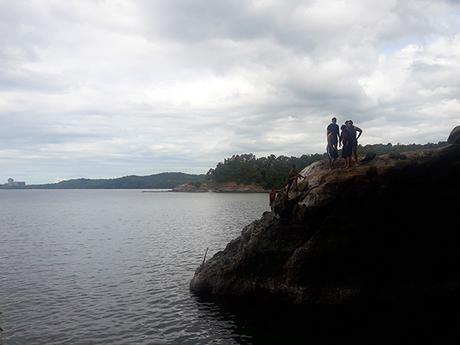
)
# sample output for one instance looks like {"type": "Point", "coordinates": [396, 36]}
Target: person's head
{"type": "Point", "coordinates": [334, 120]}
{"type": "Point", "coordinates": [343, 127]}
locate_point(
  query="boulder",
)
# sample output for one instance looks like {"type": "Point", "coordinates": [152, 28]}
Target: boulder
{"type": "Point", "coordinates": [454, 137]}
{"type": "Point", "coordinates": [369, 157]}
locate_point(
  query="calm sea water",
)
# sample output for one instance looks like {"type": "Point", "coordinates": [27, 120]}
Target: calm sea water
{"type": "Point", "coordinates": [113, 266]}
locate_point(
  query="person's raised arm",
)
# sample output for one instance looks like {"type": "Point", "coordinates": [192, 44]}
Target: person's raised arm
{"type": "Point", "coordinates": [360, 131]}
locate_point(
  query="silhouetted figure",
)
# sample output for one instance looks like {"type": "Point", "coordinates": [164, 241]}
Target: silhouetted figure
{"type": "Point", "coordinates": [347, 145]}
{"type": "Point", "coordinates": [333, 140]}
{"type": "Point", "coordinates": [272, 197]}
{"type": "Point", "coordinates": [293, 175]}
{"type": "Point", "coordinates": [353, 130]}
{"type": "Point", "coordinates": [333, 130]}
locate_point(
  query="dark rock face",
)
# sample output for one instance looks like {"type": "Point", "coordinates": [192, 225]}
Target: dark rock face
{"type": "Point", "coordinates": [454, 137]}
{"type": "Point", "coordinates": [381, 231]}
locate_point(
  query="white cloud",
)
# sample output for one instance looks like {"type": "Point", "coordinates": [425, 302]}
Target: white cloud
{"type": "Point", "coordinates": [106, 88]}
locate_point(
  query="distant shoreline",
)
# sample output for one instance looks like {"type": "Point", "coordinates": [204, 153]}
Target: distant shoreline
{"type": "Point", "coordinates": [157, 191]}
{"type": "Point", "coordinates": [144, 190]}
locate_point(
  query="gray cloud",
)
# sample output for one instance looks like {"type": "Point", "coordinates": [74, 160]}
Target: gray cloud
{"type": "Point", "coordinates": [102, 89]}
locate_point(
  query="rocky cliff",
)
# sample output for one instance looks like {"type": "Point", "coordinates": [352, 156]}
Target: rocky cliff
{"type": "Point", "coordinates": [385, 230]}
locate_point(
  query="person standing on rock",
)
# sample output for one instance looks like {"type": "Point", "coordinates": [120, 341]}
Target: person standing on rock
{"type": "Point", "coordinates": [272, 197]}
{"type": "Point", "coordinates": [353, 130]}
{"type": "Point", "coordinates": [293, 175]}
{"type": "Point", "coordinates": [333, 130]}
{"type": "Point", "coordinates": [347, 145]}
{"type": "Point", "coordinates": [333, 140]}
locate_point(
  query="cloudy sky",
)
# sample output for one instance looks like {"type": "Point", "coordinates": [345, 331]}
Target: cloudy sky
{"type": "Point", "coordinates": [95, 88]}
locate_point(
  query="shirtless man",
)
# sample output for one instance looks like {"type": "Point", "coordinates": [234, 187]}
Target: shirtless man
{"type": "Point", "coordinates": [293, 175]}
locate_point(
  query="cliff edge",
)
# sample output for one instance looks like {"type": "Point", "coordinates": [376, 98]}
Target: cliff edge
{"type": "Point", "coordinates": [384, 230]}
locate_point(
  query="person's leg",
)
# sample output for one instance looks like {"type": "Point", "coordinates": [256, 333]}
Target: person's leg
{"type": "Point", "coordinates": [347, 162]}
{"type": "Point", "coordinates": [288, 187]}
{"type": "Point", "coordinates": [346, 154]}
{"type": "Point", "coordinates": [335, 155]}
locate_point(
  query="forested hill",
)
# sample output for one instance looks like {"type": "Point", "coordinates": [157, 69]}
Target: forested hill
{"type": "Point", "coordinates": [267, 172]}
{"type": "Point", "coordinates": [157, 181]}
{"type": "Point", "coordinates": [271, 171]}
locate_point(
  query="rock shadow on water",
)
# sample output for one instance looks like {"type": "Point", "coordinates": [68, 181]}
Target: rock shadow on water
{"type": "Point", "coordinates": [270, 323]}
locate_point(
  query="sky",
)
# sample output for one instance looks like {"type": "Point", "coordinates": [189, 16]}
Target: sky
{"type": "Point", "coordinates": [99, 89]}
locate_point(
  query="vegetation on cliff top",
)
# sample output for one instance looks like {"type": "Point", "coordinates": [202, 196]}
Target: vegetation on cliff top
{"type": "Point", "coordinates": [271, 171]}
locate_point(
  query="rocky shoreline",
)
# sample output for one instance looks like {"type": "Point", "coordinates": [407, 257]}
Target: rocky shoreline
{"type": "Point", "coordinates": [227, 187]}
{"type": "Point", "coordinates": [381, 231]}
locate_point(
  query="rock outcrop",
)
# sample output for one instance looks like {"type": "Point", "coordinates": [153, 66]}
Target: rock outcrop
{"type": "Point", "coordinates": [384, 230]}
{"type": "Point", "coordinates": [227, 187]}
{"type": "Point", "coordinates": [192, 187]}
{"type": "Point", "coordinates": [454, 137]}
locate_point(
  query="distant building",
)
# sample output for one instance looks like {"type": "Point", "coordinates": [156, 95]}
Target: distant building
{"type": "Point", "coordinates": [14, 184]}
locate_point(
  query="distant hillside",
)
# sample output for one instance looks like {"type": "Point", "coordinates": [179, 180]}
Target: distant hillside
{"type": "Point", "coordinates": [158, 181]}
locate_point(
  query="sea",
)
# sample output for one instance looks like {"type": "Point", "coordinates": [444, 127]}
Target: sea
{"type": "Point", "coordinates": [86, 267]}
{"type": "Point", "coordinates": [114, 266]}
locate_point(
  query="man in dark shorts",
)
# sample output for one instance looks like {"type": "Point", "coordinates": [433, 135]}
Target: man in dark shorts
{"type": "Point", "coordinates": [333, 129]}
{"type": "Point", "coordinates": [347, 145]}
{"type": "Point", "coordinates": [353, 130]}
{"type": "Point", "coordinates": [333, 139]}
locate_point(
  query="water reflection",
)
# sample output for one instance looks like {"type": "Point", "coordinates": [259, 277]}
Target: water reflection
{"type": "Point", "coordinates": [256, 323]}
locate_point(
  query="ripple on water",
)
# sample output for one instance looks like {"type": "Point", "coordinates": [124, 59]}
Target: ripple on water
{"type": "Point", "coordinates": [113, 267]}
